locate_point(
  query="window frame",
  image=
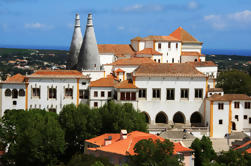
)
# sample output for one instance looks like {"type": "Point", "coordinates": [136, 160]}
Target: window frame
{"type": "Point", "coordinates": [236, 104]}
{"type": "Point", "coordinates": [52, 93]}
{"type": "Point", "coordinates": [142, 93]}
{"type": "Point", "coordinates": [183, 94]}
{"type": "Point", "coordinates": [68, 92]}
{"type": "Point", "coordinates": [247, 105]}
{"type": "Point", "coordinates": [102, 94]}
{"type": "Point", "coordinates": [198, 93]}
{"type": "Point", "coordinates": [156, 93]}
{"type": "Point", "coordinates": [35, 92]}
{"type": "Point", "coordinates": [170, 91]}
{"type": "Point", "coordinates": [95, 94]}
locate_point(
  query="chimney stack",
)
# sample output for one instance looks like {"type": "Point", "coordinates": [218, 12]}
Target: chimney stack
{"type": "Point", "coordinates": [123, 134]}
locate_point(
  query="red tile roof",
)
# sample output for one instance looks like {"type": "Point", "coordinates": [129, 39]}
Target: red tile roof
{"type": "Point", "coordinates": [116, 49]}
{"type": "Point", "coordinates": [215, 90]}
{"type": "Point", "coordinates": [202, 64]}
{"type": "Point", "coordinates": [99, 140]}
{"type": "Point", "coordinates": [125, 147]}
{"type": "Point", "coordinates": [184, 36]}
{"type": "Point", "coordinates": [131, 62]}
{"type": "Point", "coordinates": [229, 97]}
{"type": "Point", "coordinates": [167, 70]}
{"type": "Point", "coordinates": [119, 71]}
{"type": "Point", "coordinates": [191, 54]}
{"type": "Point", "coordinates": [125, 85]}
{"type": "Point", "coordinates": [57, 74]}
{"type": "Point", "coordinates": [246, 147]}
{"type": "Point", "coordinates": [104, 82]}
{"type": "Point", "coordinates": [137, 38]}
{"type": "Point", "coordinates": [148, 51]}
{"type": "Point", "coordinates": [18, 78]}
{"type": "Point", "coordinates": [161, 38]}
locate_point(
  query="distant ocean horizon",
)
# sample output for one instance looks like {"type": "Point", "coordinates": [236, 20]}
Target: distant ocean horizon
{"type": "Point", "coordinates": [240, 52]}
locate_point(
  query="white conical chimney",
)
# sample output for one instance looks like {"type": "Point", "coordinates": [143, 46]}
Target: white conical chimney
{"type": "Point", "coordinates": [76, 43]}
{"type": "Point", "coordinates": [89, 56]}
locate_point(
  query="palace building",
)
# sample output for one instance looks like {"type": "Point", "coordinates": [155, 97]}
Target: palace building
{"type": "Point", "coordinates": [165, 77]}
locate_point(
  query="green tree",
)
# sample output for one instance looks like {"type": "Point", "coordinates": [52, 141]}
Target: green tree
{"type": "Point", "coordinates": [37, 137]}
{"type": "Point", "coordinates": [154, 153]}
{"type": "Point", "coordinates": [117, 116]}
{"type": "Point", "coordinates": [86, 160]}
{"type": "Point", "coordinates": [234, 82]}
{"type": "Point", "coordinates": [233, 158]}
{"type": "Point", "coordinates": [204, 152]}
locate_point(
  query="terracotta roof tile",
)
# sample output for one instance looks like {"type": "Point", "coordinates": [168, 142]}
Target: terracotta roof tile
{"type": "Point", "coordinates": [184, 36]}
{"type": "Point", "coordinates": [131, 61]}
{"type": "Point", "coordinates": [99, 140]}
{"type": "Point", "coordinates": [119, 71]}
{"type": "Point", "coordinates": [137, 38]}
{"type": "Point", "coordinates": [166, 70]}
{"type": "Point", "coordinates": [125, 147]}
{"type": "Point", "coordinates": [202, 64]}
{"type": "Point", "coordinates": [18, 78]}
{"type": "Point", "coordinates": [116, 49]}
{"type": "Point", "coordinates": [125, 85]}
{"type": "Point", "coordinates": [161, 38]}
{"type": "Point", "coordinates": [191, 54]}
{"type": "Point", "coordinates": [229, 97]}
{"type": "Point", "coordinates": [57, 74]}
{"type": "Point", "coordinates": [148, 51]}
{"type": "Point", "coordinates": [104, 82]}
{"type": "Point", "coordinates": [215, 90]}
{"type": "Point", "coordinates": [245, 147]}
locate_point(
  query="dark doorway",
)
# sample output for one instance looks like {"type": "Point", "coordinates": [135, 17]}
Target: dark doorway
{"type": "Point", "coordinates": [161, 118]}
{"type": "Point", "coordinates": [179, 118]}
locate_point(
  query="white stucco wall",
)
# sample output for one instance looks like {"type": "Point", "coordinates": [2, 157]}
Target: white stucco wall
{"type": "Point", "coordinates": [94, 74]}
{"type": "Point", "coordinates": [100, 100]}
{"type": "Point", "coordinates": [209, 70]}
{"type": "Point", "coordinates": [169, 53]}
{"type": "Point", "coordinates": [191, 47]}
{"type": "Point", "coordinates": [106, 58]}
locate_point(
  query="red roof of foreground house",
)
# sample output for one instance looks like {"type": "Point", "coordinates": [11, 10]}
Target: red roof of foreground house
{"type": "Point", "coordinates": [104, 82]}
{"type": "Point", "coordinates": [131, 61]}
{"type": "Point", "coordinates": [184, 36]}
{"type": "Point", "coordinates": [116, 49]}
{"type": "Point", "coordinates": [246, 147]}
{"type": "Point", "coordinates": [18, 78]}
{"type": "Point", "coordinates": [125, 146]}
{"type": "Point", "coordinates": [148, 51]}
{"type": "Point", "coordinates": [57, 74]}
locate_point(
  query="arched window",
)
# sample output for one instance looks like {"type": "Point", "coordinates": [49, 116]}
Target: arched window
{"type": "Point", "coordinates": [179, 118]}
{"type": "Point", "coordinates": [21, 92]}
{"type": "Point", "coordinates": [147, 118]}
{"type": "Point", "coordinates": [196, 118]}
{"type": "Point", "coordinates": [7, 92]}
{"type": "Point", "coordinates": [14, 94]}
{"type": "Point", "coordinates": [161, 118]}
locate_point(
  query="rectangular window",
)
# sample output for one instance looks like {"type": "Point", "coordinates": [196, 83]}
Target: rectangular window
{"type": "Point", "coordinates": [236, 117]}
{"type": "Point", "coordinates": [127, 95]}
{"type": "Point", "coordinates": [142, 93]}
{"type": "Point", "coordinates": [52, 110]}
{"type": "Point", "coordinates": [220, 106]}
{"type": "Point", "coordinates": [52, 93]}
{"type": "Point", "coordinates": [247, 105]}
{"type": "Point", "coordinates": [35, 92]}
{"type": "Point", "coordinates": [95, 104]}
{"type": "Point", "coordinates": [83, 83]}
{"type": "Point", "coordinates": [169, 45]}
{"type": "Point", "coordinates": [198, 93]}
{"type": "Point", "coordinates": [184, 93]}
{"type": "Point", "coordinates": [245, 117]}
{"type": "Point", "coordinates": [81, 94]}
{"type": "Point", "coordinates": [133, 96]}
{"type": "Point", "coordinates": [68, 92]}
{"type": "Point", "coordinates": [102, 94]}
{"type": "Point", "coordinates": [95, 93]}
{"type": "Point", "coordinates": [156, 93]}
{"type": "Point", "coordinates": [159, 46]}
{"type": "Point", "coordinates": [176, 45]}
{"type": "Point", "coordinates": [220, 121]}
{"type": "Point", "coordinates": [170, 94]}
{"type": "Point", "coordinates": [122, 96]}
{"type": "Point", "coordinates": [249, 120]}
{"type": "Point", "coordinates": [158, 60]}
{"type": "Point", "coordinates": [236, 104]}
{"type": "Point", "coordinates": [110, 94]}
{"type": "Point", "coordinates": [172, 60]}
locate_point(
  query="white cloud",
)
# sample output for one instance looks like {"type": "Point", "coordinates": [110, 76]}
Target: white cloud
{"type": "Point", "coordinates": [121, 28]}
{"type": "Point", "coordinates": [216, 21]}
{"type": "Point", "coordinates": [144, 8]}
{"type": "Point", "coordinates": [243, 16]}
{"type": "Point", "coordinates": [193, 5]}
{"type": "Point", "coordinates": [135, 7]}
{"type": "Point", "coordinates": [37, 25]}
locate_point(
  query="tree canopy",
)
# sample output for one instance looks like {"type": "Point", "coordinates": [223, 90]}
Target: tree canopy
{"type": "Point", "coordinates": [235, 82]}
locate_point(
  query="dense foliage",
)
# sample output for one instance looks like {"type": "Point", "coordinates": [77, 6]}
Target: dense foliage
{"type": "Point", "coordinates": [38, 137]}
{"type": "Point", "coordinates": [151, 152]}
{"type": "Point", "coordinates": [235, 82]}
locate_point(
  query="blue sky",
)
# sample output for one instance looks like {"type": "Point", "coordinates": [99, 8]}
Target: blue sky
{"type": "Point", "coordinates": [220, 24]}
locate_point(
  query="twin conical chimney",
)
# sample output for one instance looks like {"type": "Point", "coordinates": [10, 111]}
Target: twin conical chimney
{"type": "Point", "coordinates": [89, 57]}
{"type": "Point", "coordinates": [76, 43]}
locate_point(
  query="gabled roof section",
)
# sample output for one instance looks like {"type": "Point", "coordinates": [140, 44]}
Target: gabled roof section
{"type": "Point", "coordinates": [125, 147]}
{"type": "Point", "coordinates": [18, 78]}
{"type": "Point", "coordinates": [136, 38]}
{"type": "Point", "coordinates": [167, 70]}
{"type": "Point", "coordinates": [126, 85]}
{"type": "Point", "coordinates": [161, 38]}
{"type": "Point", "coordinates": [57, 74]}
{"type": "Point", "coordinates": [116, 49]}
{"type": "Point", "coordinates": [203, 64]}
{"type": "Point", "coordinates": [132, 61]}
{"type": "Point", "coordinates": [184, 36]}
{"type": "Point", "coordinates": [104, 82]}
{"type": "Point", "coordinates": [148, 51]}
{"type": "Point", "coordinates": [191, 54]}
{"type": "Point", "coordinates": [229, 97]}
